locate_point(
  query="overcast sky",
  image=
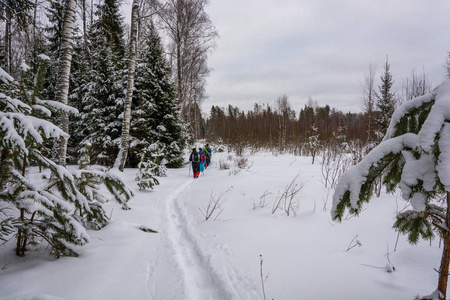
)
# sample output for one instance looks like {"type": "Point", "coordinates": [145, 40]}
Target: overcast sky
{"type": "Point", "coordinates": [321, 48]}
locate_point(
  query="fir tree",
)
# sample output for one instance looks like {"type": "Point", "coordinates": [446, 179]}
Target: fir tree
{"type": "Point", "coordinates": [55, 15]}
{"type": "Point", "coordinates": [85, 158]}
{"type": "Point", "coordinates": [145, 176]}
{"type": "Point", "coordinates": [80, 76]}
{"type": "Point", "coordinates": [103, 91]}
{"type": "Point", "coordinates": [44, 210]}
{"type": "Point", "coordinates": [415, 156]}
{"type": "Point", "coordinates": [385, 99]}
{"type": "Point", "coordinates": [54, 209]}
{"type": "Point", "coordinates": [156, 116]}
{"type": "Point", "coordinates": [157, 151]}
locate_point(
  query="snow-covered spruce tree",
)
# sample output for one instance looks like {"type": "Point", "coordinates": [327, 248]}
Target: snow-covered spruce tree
{"type": "Point", "coordinates": [415, 156]}
{"type": "Point", "coordinates": [41, 211]}
{"type": "Point", "coordinates": [88, 185]}
{"type": "Point", "coordinates": [145, 176]}
{"type": "Point", "coordinates": [313, 143]}
{"type": "Point", "coordinates": [157, 153]}
{"type": "Point", "coordinates": [52, 210]}
{"type": "Point", "coordinates": [88, 182]}
{"type": "Point", "coordinates": [156, 116]}
{"type": "Point", "coordinates": [53, 34]}
{"type": "Point", "coordinates": [103, 91]}
{"type": "Point", "coordinates": [80, 76]}
{"type": "Point", "coordinates": [385, 99]}
{"type": "Point", "coordinates": [85, 158]}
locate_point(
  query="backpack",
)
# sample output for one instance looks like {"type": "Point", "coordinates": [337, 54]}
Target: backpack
{"type": "Point", "coordinates": [195, 158]}
{"type": "Point", "coordinates": [203, 157]}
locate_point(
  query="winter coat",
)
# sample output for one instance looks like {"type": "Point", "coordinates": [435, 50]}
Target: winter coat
{"type": "Point", "coordinates": [203, 155]}
{"type": "Point", "coordinates": [195, 165]}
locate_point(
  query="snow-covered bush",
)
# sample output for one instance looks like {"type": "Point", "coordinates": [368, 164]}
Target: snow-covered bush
{"type": "Point", "coordinates": [145, 176]}
{"type": "Point", "coordinates": [157, 154]}
{"type": "Point", "coordinates": [84, 159]}
{"type": "Point", "coordinates": [219, 148]}
{"type": "Point", "coordinates": [234, 164]}
{"type": "Point", "coordinates": [152, 164]}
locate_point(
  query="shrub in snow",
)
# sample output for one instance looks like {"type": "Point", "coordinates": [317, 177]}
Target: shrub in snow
{"type": "Point", "coordinates": [219, 148]}
{"type": "Point", "coordinates": [355, 242]}
{"type": "Point", "coordinates": [414, 156]}
{"type": "Point", "coordinates": [333, 164]}
{"type": "Point", "coordinates": [214, 206]}
{"type": "Point", "coordinates": [234, 164]}
{"type": "Point", "coordinates": [287, 200]}
{"type": "Point", "coordinates": [145, 176]}
{"type": "Point", "coordinates": [157, 152]}
{"type": "Point", "coordinates": [152, 164]}
{"type": "Point", "coordinates": [262, 201]}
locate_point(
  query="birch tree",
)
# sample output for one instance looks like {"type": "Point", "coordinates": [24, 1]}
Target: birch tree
{"type": "Point", "coordinates": [123, 149]}
{"type": "Point", "coordinates": [192, 36]}
{"type": "Point", "coordinates": [62, 91]}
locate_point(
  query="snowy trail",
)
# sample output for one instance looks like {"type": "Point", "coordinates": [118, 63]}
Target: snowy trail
{"type": "Point", "coordinates": [189, 273]}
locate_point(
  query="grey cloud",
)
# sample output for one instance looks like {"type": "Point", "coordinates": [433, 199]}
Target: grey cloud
{"type": "Point", "coordinates": [320, 48]}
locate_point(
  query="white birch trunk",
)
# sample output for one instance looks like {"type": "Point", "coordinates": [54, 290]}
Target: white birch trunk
{"type": "Point", "coordinates": [62, 91]}
{"type": "Point", "coordinates": [125, 143]}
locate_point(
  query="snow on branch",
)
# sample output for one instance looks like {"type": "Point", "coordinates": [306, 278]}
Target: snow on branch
{"type": "Point", "coordinates": [58, 106]}
{"type": "Point", "coordinates": [414, 155]}
{"type": "Point", "coordinates": [354, 185]}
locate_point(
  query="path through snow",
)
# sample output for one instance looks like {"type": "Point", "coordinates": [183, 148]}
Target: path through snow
{"type": "Point", "coordinates": [183, 270]}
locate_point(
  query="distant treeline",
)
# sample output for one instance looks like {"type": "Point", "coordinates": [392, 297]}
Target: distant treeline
{"type": "Point", "coordinates": [279, 127]}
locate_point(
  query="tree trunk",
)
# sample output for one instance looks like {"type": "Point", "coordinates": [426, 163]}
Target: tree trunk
{"type": "Point", "coordinates": [125, 143]}
{"type": "Point", "coordinates": [445, 260]}
{"type": "Point", "coordinates": [84, 20]}
{"type": "Point", "coordinates": [62, 92]}
{"type": "Point", "coordinates": [8, 52]}
{"type": "Point", "coordinates": [178, 34]}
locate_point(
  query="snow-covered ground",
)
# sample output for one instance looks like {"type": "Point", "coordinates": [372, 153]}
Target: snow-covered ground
{"type": "Point", "coordinates": [304, 255]}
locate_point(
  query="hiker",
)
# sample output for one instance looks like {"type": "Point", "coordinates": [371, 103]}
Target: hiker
{"type": "Point", "coordinates": [209, 152]}
{"type": "Point", "coordinates": [202, 154]}
{"type": "Point", "coordinates": [195, 159]}
{"type": "Point", "coordinates": [206, 156]}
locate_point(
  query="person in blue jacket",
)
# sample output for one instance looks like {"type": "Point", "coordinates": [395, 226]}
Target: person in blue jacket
{"type": "Point", "coordinates": [202, 155]}
{"type": "Point", "coordinates": [209, 154]}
